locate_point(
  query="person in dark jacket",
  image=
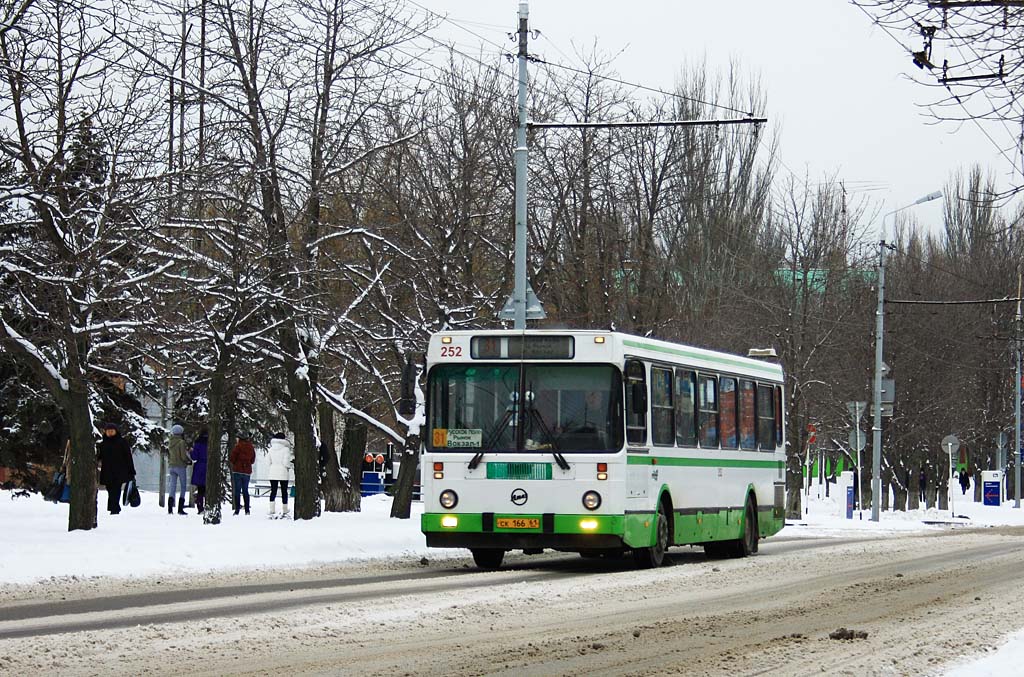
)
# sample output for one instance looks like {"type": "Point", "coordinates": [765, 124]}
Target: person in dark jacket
{"type": "Point", "coordinates": [965, 481]}
{"type": "Point", "coordinates": [198, 455]}
{"type": "Point", "coordinates": [116, 464]}
{"type": "Point", "coordinates": [241, 457]}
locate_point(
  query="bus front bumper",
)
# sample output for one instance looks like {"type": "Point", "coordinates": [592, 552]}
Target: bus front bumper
{"type": "Point", "coordinates": [558, 532]}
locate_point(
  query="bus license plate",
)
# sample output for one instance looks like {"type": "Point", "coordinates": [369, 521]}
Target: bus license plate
{"type": "Point", "coordinates": [518, 523]}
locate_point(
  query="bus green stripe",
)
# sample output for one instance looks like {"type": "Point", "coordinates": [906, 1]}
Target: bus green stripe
{"type": "Point", "coordinates": [636, 529]}
{"type": "Point", "coordinates": [636, 459]}
{"type": "Point", "coordinates": [743, 364]}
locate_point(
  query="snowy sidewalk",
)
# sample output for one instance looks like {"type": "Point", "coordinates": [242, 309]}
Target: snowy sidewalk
{"type": "Point", "coordinates": [146, 541]}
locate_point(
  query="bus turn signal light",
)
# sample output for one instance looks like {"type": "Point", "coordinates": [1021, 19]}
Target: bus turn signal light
{"type": "Point", "coordinates": [438, 471]}
{"type": "Point", "coordinates": [450, 521]}
{"type": "Point", "coordinates": [602, 471]}
{"type": "Point", "coordinates": [588, 525]}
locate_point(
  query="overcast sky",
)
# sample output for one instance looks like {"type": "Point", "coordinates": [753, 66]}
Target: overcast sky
{"type": "Point", "coordinates": [837, 85]}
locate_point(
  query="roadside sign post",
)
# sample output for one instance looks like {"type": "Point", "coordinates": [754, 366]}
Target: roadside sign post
{"type": "Point", "coordinates": [811, 439]}
{"type": "Point", "coordinates": [858, 440]}
{"type": "Point", "coordinates": [951, 444]}
{"type": "Point", "coordinates": [1001, 440]}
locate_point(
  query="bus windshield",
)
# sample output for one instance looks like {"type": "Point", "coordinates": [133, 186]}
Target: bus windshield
{"type": "Point", "coordinates": [568, 407]}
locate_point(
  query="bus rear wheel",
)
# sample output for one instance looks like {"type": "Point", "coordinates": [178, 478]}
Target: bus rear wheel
{"type": "Point", "coordinates": [487, 558]}
{"type": "Point", "coordinates": [654, 556]}
{"type": "Point", "coordinates": [743, 546]}
{"type": "Point", "coordinates": [747, 543]}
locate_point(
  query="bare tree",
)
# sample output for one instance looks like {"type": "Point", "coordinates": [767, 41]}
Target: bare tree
{"type": "Point", "coordinates": [76, 126]}
{"type": "Point", "coordinates": [813, 304]}
{"type": "Point", "coordinates": [968, 53]}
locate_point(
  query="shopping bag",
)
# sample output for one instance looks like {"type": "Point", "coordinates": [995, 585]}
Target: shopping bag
{"type": "Point", "coordinates": [134, 499]}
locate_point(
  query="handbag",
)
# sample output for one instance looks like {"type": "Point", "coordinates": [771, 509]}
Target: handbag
{"type": "Point", "coordinates": [59, 485]}
{"type": "Point", "coordinates": [131, 494]}
{"type": "Point", "coordinates": [54, 492]}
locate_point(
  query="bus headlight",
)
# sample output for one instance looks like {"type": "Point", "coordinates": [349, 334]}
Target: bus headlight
{"type": "Point", "coordinates": [449, 499]}
{"type": "Point", "coordinates": [591, 500]}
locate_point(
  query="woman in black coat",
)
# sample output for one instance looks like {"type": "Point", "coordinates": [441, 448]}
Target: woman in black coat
{"type": "Point", "coordinates": [116, 465]}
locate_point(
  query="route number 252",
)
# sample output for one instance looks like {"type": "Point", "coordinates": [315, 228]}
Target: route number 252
{"type": "Point", "coordinates": [451, 351]}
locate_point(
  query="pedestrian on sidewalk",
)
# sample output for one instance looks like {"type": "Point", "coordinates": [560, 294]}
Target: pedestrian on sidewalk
{"type": "Point", "coordinates": [282, 458]}
{"type": "Point", "coordinates": [965, 481]}
{"type": "Point", "coordinates": [178, 462]}
{"type": "Point", "coordinates": [199, 452]}
{"type": "Point", "coordinates": [922, 484]}
{"type": "Point", "coordinates": [241, 458]}
{"type": "Point", "coordinates": [116, 464]}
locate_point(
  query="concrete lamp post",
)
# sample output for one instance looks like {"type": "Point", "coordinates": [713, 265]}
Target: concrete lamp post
{"type": "Point", "coordinates": [876, 430]}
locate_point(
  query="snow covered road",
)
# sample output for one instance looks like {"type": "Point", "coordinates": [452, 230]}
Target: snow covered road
{"type": "Point", "coordinates": [923, 600]}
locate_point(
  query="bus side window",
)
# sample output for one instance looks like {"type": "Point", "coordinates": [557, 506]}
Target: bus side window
{"type": "Point", "coordinates": [778, 416]}
{"type": "Point", "coordinates": [708, 429]}
{"type": "Point", "coordinates": [636, 402]}
{"type": "Point", "coordinates": [727, 413]}
{"type": "Point", "coordinates": [662, 430]}
{"type": "Point", "coordinates": [686, 420]}
{"type": "Point", "coordinates": [748, 436]}
{"type": "Point", "coordinates": [766, 418]}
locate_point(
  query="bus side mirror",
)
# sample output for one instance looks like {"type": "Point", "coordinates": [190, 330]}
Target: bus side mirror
{"type": "Point", "coordinates": [638, 396]}
{"type": "Point", "coordinates": [407, 398]}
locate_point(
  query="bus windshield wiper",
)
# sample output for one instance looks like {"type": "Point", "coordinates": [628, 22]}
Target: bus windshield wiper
{"type": "Point", "coordinates": [552, 444]}
{"type": "Point", "coordinates": [493, 437]}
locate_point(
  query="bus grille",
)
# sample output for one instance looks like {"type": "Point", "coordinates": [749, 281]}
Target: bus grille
{"type": "Point", "coordinates": [518, 471]}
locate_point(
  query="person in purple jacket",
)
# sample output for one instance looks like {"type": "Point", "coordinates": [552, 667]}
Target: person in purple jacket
{"type": "Point", "coordinates": [198, 456]}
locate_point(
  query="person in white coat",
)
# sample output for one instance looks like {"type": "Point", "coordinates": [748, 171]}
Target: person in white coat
{"type": "Point", "coordinates": [282, 458]}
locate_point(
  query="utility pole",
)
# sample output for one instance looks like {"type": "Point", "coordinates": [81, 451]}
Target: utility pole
{"type": "Point", "coordinates": [181, 113]}
{"type": "Point", "coordinates": [1016, 402]}
{"type": "Point", "coordinates": [519, 292]}
{"type": "Point", "coordinates": [876, 428]}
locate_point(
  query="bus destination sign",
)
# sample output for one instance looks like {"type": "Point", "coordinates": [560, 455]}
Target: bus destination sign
{"type": "Point", "coordinates": [522, 347]}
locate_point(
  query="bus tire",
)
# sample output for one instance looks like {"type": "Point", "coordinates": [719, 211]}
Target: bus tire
{"type": "Point", "coordinates": [487, 558]}
{"type": "Point", "coordinates": [654, 556]}
{"type": "Point", "coordinates": [747, 543]}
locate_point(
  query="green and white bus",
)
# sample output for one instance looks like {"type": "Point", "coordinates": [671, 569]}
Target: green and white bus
{"type": "Point", "coordinates": [598, 442]}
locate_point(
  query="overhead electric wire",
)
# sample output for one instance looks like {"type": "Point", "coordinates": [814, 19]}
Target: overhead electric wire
{"type": "Point", "coordinates": [635, 85]}
{"type": "Point", "coordinates": [976, 302]}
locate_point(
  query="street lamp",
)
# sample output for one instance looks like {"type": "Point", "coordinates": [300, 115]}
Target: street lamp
{"type": "Point", "coordinates": [876, 430]}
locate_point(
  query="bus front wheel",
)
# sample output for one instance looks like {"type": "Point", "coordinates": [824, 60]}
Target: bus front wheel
{"type": "Point", "coordinates": [654, 556]}
{"type": "Point", "coordinates": [487, 558]}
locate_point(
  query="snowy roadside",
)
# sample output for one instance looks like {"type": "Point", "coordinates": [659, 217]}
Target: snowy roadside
{"type": "Point", "coordinates": [146, 541]}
